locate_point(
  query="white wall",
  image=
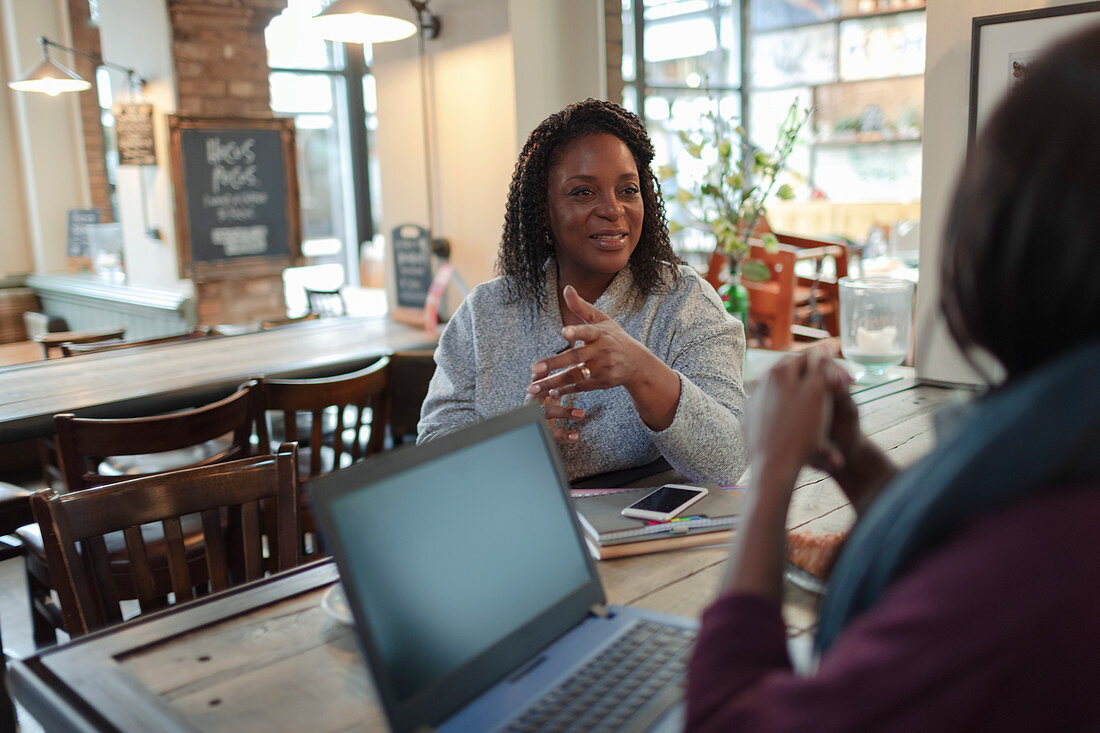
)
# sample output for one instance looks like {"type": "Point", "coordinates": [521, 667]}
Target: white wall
{"type": "Point", "coordinates": [946, 106]}
{"type": "Point", "coordinates": [560, 54]}
{"type": "Point", "coordinates": [472, 124]}
{"type": "Point", "coordinates": [137, 34]}
{"type": "Point", "coordinates": [496, 70]}
{"type": "Point", "coordinates": [15, 246]}
{"type": "Point", "coordinates": [45, 136]}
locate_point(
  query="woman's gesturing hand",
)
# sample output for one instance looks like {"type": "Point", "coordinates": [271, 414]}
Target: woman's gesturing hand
{"type": "Point", "coordinates": [606, 356]}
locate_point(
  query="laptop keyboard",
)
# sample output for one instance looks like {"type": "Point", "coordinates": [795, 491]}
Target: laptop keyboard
{"type": "Point", "coordinates": [645, 662]}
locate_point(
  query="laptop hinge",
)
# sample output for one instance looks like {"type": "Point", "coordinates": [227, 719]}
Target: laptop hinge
{"type": "Point", "coordinates": [599, 610]}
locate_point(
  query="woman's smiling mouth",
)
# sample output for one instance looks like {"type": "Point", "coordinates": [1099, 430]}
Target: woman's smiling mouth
{"type": "Point", "coordinates": [610, 240]}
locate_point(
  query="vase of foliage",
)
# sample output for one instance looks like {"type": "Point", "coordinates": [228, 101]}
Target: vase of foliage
{"type": "Point", "coordinates": [730, 199]}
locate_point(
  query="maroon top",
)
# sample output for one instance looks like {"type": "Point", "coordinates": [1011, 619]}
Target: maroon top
{"type": "Point", "coordinates": [998, 629]}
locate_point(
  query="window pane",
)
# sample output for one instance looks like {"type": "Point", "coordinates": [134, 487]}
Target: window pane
{"type": "Point", "coordinates": [692, 43]}
{"type": "Point", "coordinates": [872, 48]}
{"type": "Point", "coordinates": [629, 55]}
{"type": "Point", "coordinates": [794, 57]}
{"type": "Point", "coordinates": [374, 170]}
{"type": "Point", "coordinates": [289, 47]}
{"type": "Point", "coordinates": [882, 172]}
{"type": "Point", "coordinates": [294, 93]}
{"type": "Point", "coordinates": [686, 111]}
{"type": "Point", "coordinates": [320, 136]}
{"type": "Point", "coordinates": [768, 110]}
{"type": "Point", "coordinates": [871, 110]}
{"type": "Point", "coordinates": [770, 14]}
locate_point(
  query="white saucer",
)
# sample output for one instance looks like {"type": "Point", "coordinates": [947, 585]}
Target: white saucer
{"type": "Point", "coordinates": [335, 604]}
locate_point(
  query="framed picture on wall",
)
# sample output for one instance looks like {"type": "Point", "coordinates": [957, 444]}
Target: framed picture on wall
{"type": "Point", "coordinates": [1003, 46]}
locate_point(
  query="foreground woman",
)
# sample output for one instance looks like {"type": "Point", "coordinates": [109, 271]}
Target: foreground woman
{"type": "Point", "coordinates": [632, 355]}
{"type": "Point", "coordinates": [968, 594]}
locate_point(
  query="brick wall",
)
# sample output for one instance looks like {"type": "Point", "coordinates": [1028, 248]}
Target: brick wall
{"type": "Point", "coordinates": [221, 71]}
{"type": "Point", "coordinates": [221, 59]}
{"type": "Point", "coordinates": [86, 38]}
{"type": "Point", "coordinates": [613, 31]}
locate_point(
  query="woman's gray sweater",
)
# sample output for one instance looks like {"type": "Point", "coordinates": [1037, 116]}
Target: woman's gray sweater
{"type": "Point", "coordinates": [486, 351]}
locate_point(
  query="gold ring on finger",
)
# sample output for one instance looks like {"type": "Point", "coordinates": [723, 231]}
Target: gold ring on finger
{"type": "Point", "coordinates": [585, 371]}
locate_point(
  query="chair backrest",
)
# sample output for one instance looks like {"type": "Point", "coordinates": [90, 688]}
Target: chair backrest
{"type": "Point", "coordinates": [774, 302]}
{"type": "Point", "coordinates": [410, 372]}
{"type": "Point", "coordinates": [326, 302]}
{"type": "Point", "coordinates": [337, 420]}
{"type": "Point", "coordinates": [53, 340]}
{"type": "Point", "coordinates": [214, 433]}
{"type": "Point", "coordinates": [771, 303]}
{"type": "Point", "coordinates": [241, 503]}
{"type": "Point", "coordinates": [70, 348]}
{"type": "Point", "coordinates": [281, 322]}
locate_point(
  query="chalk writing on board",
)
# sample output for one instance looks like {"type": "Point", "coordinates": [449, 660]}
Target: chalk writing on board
{"type": "Point", "coordinates": [236, 188]}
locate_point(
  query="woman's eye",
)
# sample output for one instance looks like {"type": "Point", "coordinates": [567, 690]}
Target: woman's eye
{"type": "Point", "coordinates": [580, 192]}
{"type": "Point", "coordinates": [631, 191]}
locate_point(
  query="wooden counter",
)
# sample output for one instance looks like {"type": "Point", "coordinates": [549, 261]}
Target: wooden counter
{"type": "Point", "coordinates": [146, 381]}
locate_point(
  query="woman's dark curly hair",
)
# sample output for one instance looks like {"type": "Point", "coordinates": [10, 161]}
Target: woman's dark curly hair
{"type": "Point", "coordinates": [526, 243]}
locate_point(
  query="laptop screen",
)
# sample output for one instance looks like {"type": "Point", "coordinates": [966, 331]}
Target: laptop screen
{"type": "Point", "coordinates": [451, 549]}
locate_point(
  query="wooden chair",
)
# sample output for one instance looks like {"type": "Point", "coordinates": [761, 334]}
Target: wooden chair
{"type": "Point", "coordinates": [94, 452]}
{"type": "Point", "coordinates": [789, 306]}
{"type": "Point", "coordinates": [53, 340]}
{"type": "Point", "coordinates": [235, 501]}
{"type": "Point", "coordinates": [281, 322]}
{"type": "Point", "coordinates": [325, 303]}
{"type": "Point", "coordinates": [336, 421]}
{"type": "Point", "coordinates": [410, 372]}
{"type": "Point", "coordinates": [71, 348]}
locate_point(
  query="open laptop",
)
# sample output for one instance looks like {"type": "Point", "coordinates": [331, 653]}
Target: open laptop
{"type": "Point", "coordinates": [475, 601]}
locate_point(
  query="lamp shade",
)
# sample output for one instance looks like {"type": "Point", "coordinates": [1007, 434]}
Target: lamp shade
{"type": "Point", "coordinates": [50, 77]}
{"type": "Point", "coordinates": [365, 21]}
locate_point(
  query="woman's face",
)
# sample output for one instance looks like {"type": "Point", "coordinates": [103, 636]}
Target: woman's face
{"type": "Point", "coordinates": [594, 206]}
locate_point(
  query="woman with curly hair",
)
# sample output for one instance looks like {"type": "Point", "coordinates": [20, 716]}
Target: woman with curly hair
{"type": "Point", "coordinates": [594, 316]}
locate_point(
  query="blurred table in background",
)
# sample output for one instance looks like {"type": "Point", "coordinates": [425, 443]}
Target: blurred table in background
{"type": "Point", "coordinates": [146, 381]}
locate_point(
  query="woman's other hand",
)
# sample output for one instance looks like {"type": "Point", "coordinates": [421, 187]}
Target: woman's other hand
{"type": "Point", "coordinates": [606, 356]}
{"type": "Point", "coordinates": [555, 411]}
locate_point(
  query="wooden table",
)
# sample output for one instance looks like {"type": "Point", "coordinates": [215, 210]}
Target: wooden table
{"type": "Point", "coordinates": [145, 381]}
{"type": "Point", "coordinates": [266, 657]}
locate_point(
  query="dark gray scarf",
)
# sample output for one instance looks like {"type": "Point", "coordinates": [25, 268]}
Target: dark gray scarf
{"type": "Point", "coordinates": [1035, 434]}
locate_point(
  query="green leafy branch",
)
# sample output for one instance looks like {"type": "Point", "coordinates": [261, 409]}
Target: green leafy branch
{"type": "Point", "coordinates": [732, 197]}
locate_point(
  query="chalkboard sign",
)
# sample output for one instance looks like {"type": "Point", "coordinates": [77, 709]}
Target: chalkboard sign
{"type": "Point", "coordinates": [79, 220]}
{"type": "Point", "coordinates": [134, 127]}
{"type": "Point", "coordinates": [412, 265]}
{"type": "Point", "coordinates": [236, 196]}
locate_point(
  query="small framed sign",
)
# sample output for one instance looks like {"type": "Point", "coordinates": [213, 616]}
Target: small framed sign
{"type": "Point", "coordinates": [134, 127]}
{"type": "Point", "coordinates": [236, 187]}
{"type": "Point", "coordinates": [78, 247]}
{"type": "Point", "coordinates": [411, 255]}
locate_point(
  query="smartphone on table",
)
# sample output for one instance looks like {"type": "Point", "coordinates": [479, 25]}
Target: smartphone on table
{"type": "Point", "coordinates": [665, 503]}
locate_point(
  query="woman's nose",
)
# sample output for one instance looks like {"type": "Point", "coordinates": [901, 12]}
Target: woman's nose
{"type": "Point", "coordinates": [610, 208]}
